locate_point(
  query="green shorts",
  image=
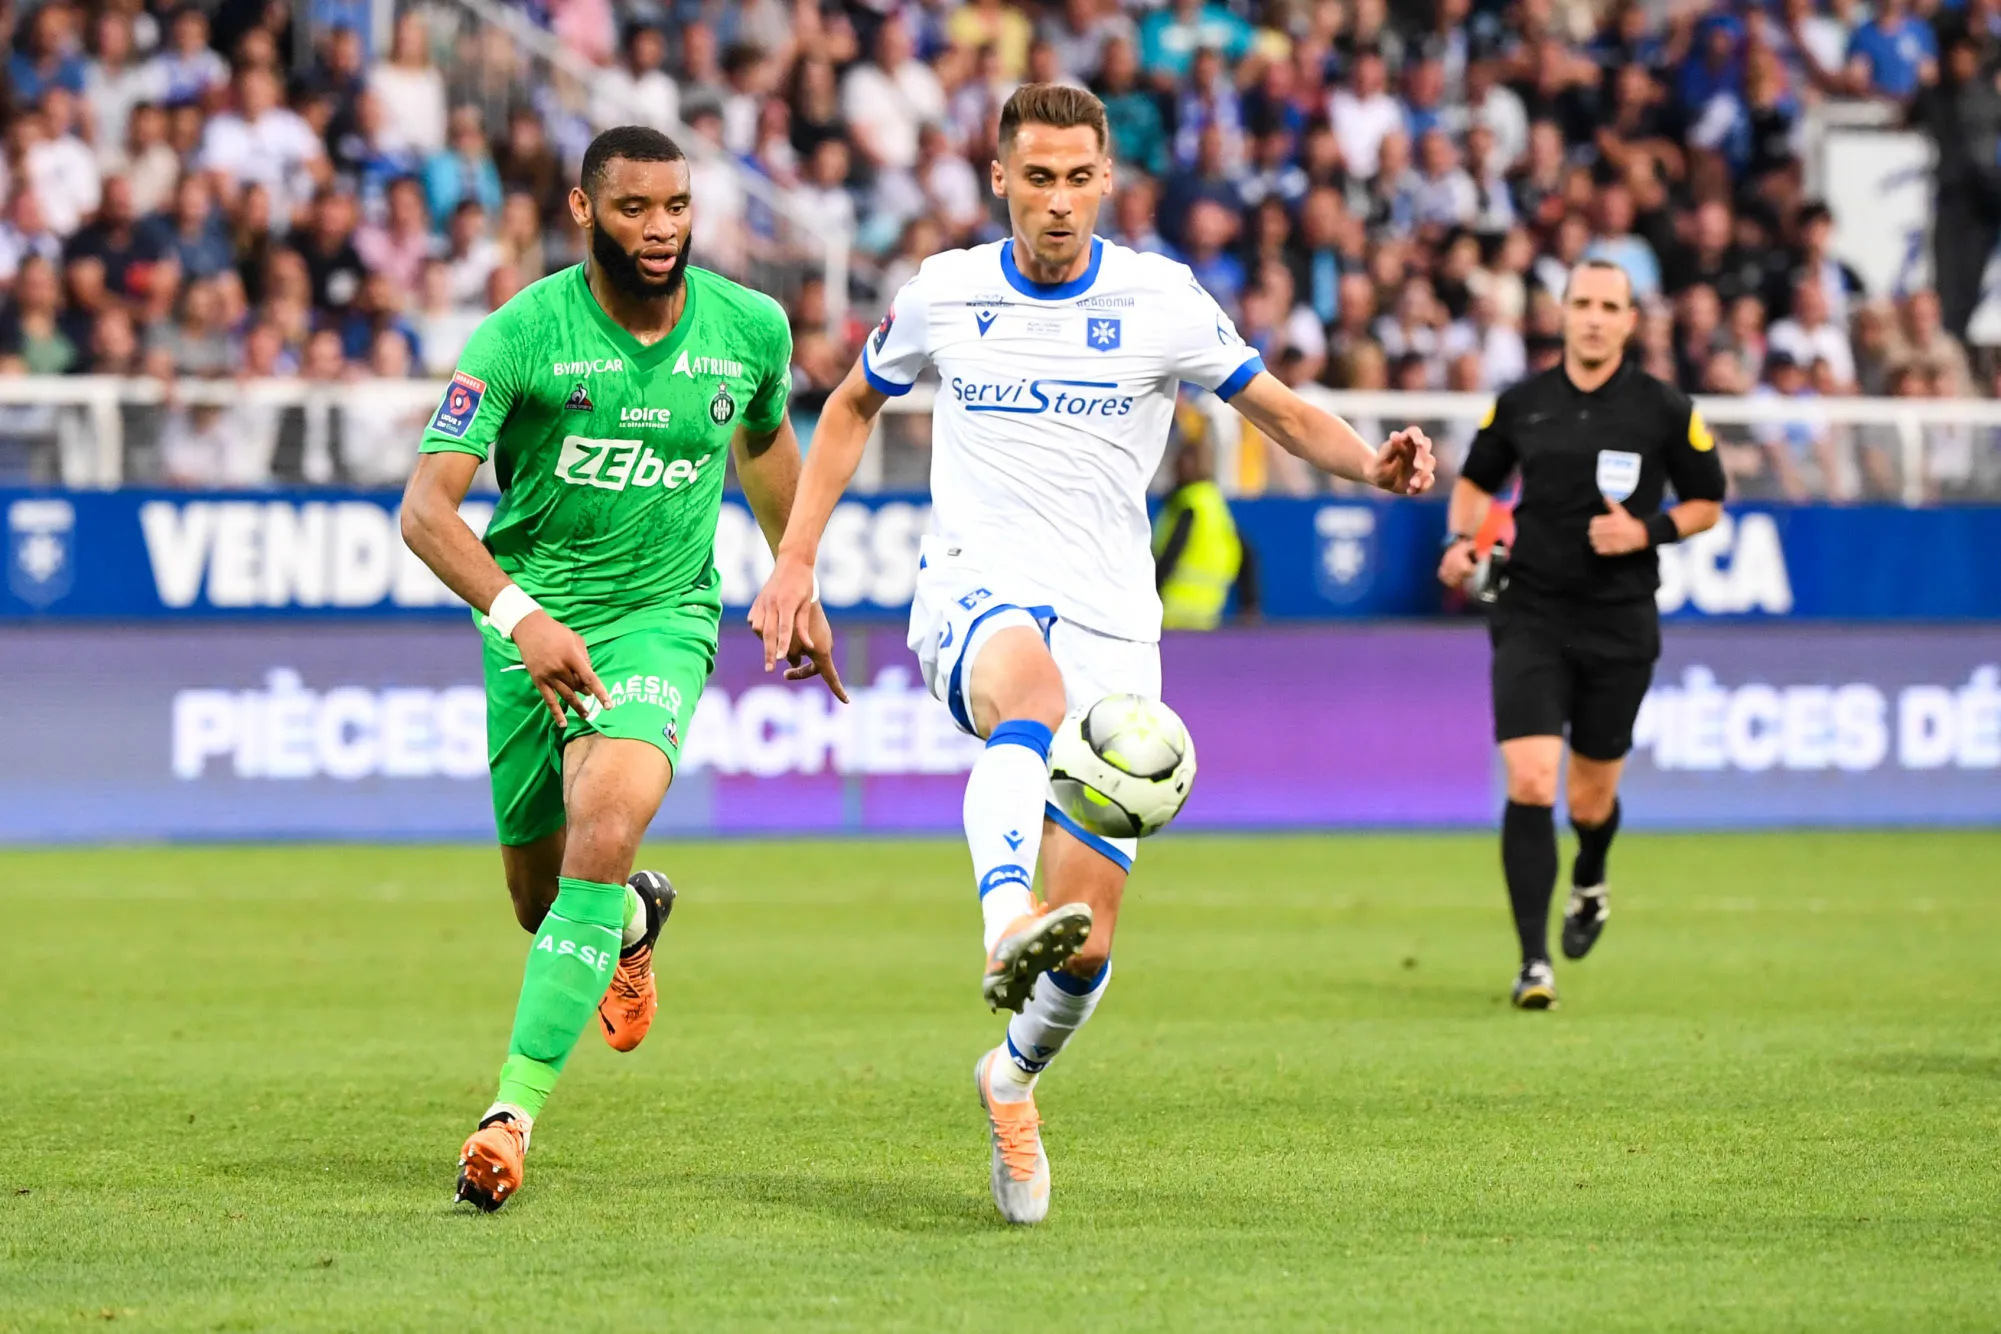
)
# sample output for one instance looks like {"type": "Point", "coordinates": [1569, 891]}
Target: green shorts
{"type": "Point", "coordinates": [654, 678]}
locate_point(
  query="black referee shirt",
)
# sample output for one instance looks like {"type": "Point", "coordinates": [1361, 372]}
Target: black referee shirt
{"type": "Point", "coordinates": [1629, 439]}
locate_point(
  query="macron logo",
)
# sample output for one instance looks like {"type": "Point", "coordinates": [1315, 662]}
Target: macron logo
{"type": "Point", "coordinates": [702, 367]}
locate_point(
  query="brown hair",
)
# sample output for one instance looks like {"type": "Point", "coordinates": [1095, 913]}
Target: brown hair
{"type": "Point", "coordinates": [1056, 105]}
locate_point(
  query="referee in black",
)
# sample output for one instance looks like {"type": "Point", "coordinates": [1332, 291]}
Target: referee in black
{"type": "Point", "coordinates": [1598, 442]}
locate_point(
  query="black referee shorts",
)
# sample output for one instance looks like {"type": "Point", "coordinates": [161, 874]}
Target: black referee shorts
{"type": "Point", "coordinates": [1576, 668]}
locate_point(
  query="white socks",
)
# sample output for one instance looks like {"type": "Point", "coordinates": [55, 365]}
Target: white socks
{"type": "Point", "coordinates": [1005, 795]}
{"type": "Point", "coordinates": [1060, 1006]}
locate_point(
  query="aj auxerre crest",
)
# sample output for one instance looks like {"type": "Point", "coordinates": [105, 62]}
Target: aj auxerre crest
{"type": "Point", "coordinates": [40, 564]}
{"type": "Point", "coordinates": [722, 407]}
{"type": "Point", "coordinates": [1102, 332]}
{"type": "Point", "coordinates": [1347, 566]}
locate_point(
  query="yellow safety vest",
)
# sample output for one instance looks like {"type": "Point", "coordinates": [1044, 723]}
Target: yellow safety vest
{"type": "Point", "coordinates": [1193, 596]}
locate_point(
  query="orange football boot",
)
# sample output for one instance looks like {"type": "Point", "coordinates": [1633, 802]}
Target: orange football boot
{"type": "Point", "coordinates": [492, 1162]}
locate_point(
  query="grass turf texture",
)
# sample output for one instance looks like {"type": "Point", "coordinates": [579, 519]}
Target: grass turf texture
{"type": "Point", "coordinates": [238, 1078]}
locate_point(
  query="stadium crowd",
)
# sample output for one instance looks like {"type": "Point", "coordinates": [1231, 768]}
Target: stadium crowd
{"type": "Point", "coordinates": [1383, 196]}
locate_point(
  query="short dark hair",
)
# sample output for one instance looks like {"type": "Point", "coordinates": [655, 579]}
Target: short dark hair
{"type": "Point", "coordinates": [634, 143]}
{"type": "Point", "coordinates": [1597, 263]}
{"type": "Point", "coordinates": [1056, 105]}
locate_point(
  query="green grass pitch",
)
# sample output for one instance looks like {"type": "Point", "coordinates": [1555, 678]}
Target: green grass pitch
{"type": "Point", "coordinates": [236, 1080]}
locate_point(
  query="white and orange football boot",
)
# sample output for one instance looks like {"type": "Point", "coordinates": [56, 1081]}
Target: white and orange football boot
{"type": "Point", "coordinates": [1035, 942]}
{"type": "Point", "coordinates": [491, 1164]}
{"type": "Point", "coordinates": [1020, 1167]}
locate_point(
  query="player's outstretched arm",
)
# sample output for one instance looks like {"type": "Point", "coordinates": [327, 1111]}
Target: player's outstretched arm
{"type": "Point", "coordinates": [554, 655]}
{"type": "Point", "coordinates": [1403, 466]}
{"type": "Point", "coordinates": [767, 463]}
{"type": "Point", "coordinates": [788, 596]}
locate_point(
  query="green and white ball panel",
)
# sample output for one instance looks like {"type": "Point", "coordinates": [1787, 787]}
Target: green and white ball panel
{"type": "Point", "coordinates": [1123, 766]}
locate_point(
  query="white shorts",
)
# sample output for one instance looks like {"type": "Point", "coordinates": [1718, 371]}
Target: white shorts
{"type": "Point", "coordinates": [957, 609]}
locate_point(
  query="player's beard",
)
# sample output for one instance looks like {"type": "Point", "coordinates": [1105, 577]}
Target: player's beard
{"type": "Point", "coordinates": [621, 268]}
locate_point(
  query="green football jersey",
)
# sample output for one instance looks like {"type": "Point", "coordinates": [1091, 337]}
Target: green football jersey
{"type": "Point", "coordinates": [610, 455]}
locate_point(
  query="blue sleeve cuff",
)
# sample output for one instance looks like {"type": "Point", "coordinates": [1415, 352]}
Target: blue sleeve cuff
{"type": "Point", "coordinates": [1231, 387]}
{"type": "Point", "coordinates": [889, 388]}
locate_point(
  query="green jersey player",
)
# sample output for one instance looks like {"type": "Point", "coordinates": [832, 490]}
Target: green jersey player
{"type": "Point", "coordinates": [609, 398]}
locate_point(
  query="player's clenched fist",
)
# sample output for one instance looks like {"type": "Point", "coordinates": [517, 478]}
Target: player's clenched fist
{"type": "Point", "coordinates": [558, 663]}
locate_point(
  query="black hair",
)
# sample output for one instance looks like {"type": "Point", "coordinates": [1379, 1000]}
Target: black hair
{"type": "Point", "coordinates": [635, 143]}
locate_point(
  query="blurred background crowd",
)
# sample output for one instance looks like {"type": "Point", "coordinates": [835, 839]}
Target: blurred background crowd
{"type": "Point", "coordinates": [1384, 195]}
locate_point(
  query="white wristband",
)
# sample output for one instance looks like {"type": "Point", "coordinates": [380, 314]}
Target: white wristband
{"type": "Point", "coordinates": [510, 607]}
{"type": "Point", "coordinates": [816, 590]}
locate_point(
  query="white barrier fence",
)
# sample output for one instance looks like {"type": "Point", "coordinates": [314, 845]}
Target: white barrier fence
{"type": "Point", "coordinates": [105, 431]}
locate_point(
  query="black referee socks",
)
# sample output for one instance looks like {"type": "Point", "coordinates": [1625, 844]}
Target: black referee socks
{"type": "Point", "coordinates": [1528, 859]}
{"type": "Point", "coordinates": [1588, 871]}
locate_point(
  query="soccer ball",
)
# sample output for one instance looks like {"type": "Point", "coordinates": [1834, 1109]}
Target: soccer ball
{"type": "Point", "coordinates": [1122, 768]}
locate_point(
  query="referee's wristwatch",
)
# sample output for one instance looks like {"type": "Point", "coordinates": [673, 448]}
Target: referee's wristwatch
{"type": "Point", "coordinates": [1454, 539]}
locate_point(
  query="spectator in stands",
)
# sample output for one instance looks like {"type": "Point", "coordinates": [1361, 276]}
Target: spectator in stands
{"type": "Point", "coordinates": [361, 165]}
{"type": "Point", "coordinates": [47, 59]}
{"type": "Point", "coordinates": [1798, 451]}
{"type": "Point", "coordinates": [411, 89]}
{"type": "Point", "coordinates": [54, 162]}
{"type": "Point", "coordinates": [1446, 197]}
{"type": "Point", "coordinates": [1923, 341]}
{"type": "Point", "coordinates": [1137, 121]}
{"type": "Point", "coordinates": [33, 340]}
{"type": "Point", "coordinates": [699, 70]}
{"type": "Point", "coordinates": [378, 310]}
{"type": "Point", "coordinates": [1807, 335]}
{"type": "Point", "coordinates": [1170, 37]}
{"type": "Point", "coordinates": [637, 90]}
{"type": "Point", "coordinates": [888, 98]}
{"type": "Point", "coordinates": [520, 234]}
{"type": "Point", "coordinates": [994, 23]}
{"type": "Point", "coordinates": [1839, 284]}
{"type": "Point", "coordinates": [114, 345]}
{"type": "Point", "coordinates": [333, 265]}
{"type": "Point", "coordinates": [463, 172]}
{"type": "Point", "coordinates": [194, 235]}
{"type": "Point", "coordinates": [265, 143]}
{"type": "Point", "coordinates": [189, 67]}
{"type": "Point", "coordinates": [444, 324]}
{"type": "Point", "coordinates": [398, 246]}
{"type": "Point", "coordinates": [114, 82]}
{"type": "Point", "coordinates": [1613, 239]}
{"type": "Point", "coordinates": [1082, 35]}
{"type": "Point", "coordinates": [148, 162]}
{"type": "Point", "coordinates": [471, 253]}
{"type": "Point", "coordinates": [1363, 115]}
{"type": "Point", "coordinates": [380, 431]}
{"type": "Point", "coordinates": [195, 343]}
{"type": "Point", "coordinates": [1891, 53]}
{"type": "Point", "coordinates": [528, 164]}
{"type": "Point", "coordinates": [112, 239]}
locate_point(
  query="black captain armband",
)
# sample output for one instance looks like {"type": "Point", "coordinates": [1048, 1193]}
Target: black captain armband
{"type": "Point", "coordinates": [1661, 530]}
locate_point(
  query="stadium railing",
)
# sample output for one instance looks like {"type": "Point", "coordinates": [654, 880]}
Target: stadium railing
{"type": "Point", "coordinates": [104, 431]}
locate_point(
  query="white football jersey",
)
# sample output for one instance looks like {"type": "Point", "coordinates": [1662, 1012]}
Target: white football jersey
{"type": "Point", "coordinates": [1053, 410]}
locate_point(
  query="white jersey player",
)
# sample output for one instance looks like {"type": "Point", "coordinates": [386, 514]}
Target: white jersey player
{"type": "Point", "coordinates": [1058, 356]}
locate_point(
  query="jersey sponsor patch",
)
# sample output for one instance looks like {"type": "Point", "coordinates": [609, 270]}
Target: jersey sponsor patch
{"type": "Point", "coordinates": [882, 330]}
{"type": "Point", "coordinates": [1699, 438]}
{"type": "Point", "coordinates": [461, 405]}
{"type": "Point", "coordinates": [579, 399]}
{"type": "Point", "coordinates": [1618, 474]}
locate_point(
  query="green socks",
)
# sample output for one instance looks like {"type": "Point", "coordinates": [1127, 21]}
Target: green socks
{"type": "Point", "coordinates": [569, 966]}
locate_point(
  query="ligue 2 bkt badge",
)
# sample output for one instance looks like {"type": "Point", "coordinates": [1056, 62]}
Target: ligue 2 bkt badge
{"type": "Point", "coordinates": [722, 407]}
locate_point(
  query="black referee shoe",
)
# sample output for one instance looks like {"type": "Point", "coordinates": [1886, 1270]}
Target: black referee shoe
{"type": "Point", "coordinates": [1535, 988]}
{"type": "Point", "coordinates": [1584, 917]}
